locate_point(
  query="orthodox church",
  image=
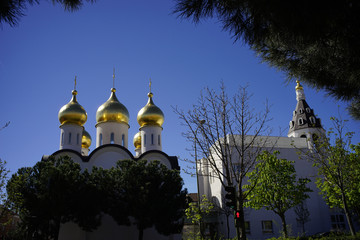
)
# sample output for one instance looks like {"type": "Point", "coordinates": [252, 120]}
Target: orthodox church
{"type": "Point", "coordinates": [304, 128]}
{"type": "Point", "coordinates": [112, 124]}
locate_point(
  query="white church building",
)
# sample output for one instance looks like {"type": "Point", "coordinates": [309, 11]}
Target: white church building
{"type": "Point", "coordinates": [263, 224]}
{"type": "Point", "coordinates": [112, 124]}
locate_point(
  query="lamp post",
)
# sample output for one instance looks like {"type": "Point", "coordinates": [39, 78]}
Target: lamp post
{"type": "Point", "coordinates": [201, 122]}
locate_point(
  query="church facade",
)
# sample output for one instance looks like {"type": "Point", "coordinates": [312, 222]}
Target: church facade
{"type": "Point", "coordinates": [112, 124]}
{"type": "Point", "coordinates": [304, 127]}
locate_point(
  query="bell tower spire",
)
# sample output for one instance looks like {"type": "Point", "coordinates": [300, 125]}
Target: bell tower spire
{"type": "Point", "coordinates": [304, 123]}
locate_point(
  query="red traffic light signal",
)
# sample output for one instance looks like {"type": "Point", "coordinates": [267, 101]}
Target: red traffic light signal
{"type": "Point", "coordinates": [237, 215]}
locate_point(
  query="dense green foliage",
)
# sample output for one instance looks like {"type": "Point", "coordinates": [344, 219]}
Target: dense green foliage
{"type": "Point", "coordinates": [57, 191]}
{"type": "Point", "coordinates": [338, 166]}
{"type": "Point", "coordinates": [197, 213]}
{"type": "Point", "coordinates": [274, 186]}
{"type": "Point", "coordinates": [150, 193]}
{"type": "Point", "coordinates": [52, 192]}
{"type": "Point", "coordinates": [3, 177]}
{"type": "Point", "coordinates": [12, 10]}
{"type": "Point", "coordinates": [313, 41]}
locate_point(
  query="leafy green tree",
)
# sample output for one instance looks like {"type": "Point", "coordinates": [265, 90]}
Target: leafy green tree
{"type": "Point", "coordinates": [3, 177]}
{"type": "Point", "coordinates": [152, 193]}
{"type": "Point", "coordinates": [338, 170]}
{"type": "Point", "coordinates": [12, 10]}
{"type": "Point", "coordinates": [52, 192]}
{"type": "Point", "coordinates": [274, 186]}
{"type": "Point", "coordinates": [197, 213]}
{"type": "Point", "coordinates": [314, 41]}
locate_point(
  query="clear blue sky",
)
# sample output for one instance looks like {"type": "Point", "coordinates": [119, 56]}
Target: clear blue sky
{"type": "Point", "coordinates": [141, 39]}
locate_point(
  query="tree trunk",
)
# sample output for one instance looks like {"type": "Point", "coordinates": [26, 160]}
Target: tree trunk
{"type": "Point", "coordinates": [240, 227]}
{"type": "Point", "coordinates": [347, 214]}
{"type": "Point", "coordinates": [228, 226]}
{"type": "Point", "coordinates": [283, 221]}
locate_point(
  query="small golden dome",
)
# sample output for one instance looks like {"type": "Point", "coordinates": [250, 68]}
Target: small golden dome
{"type": "Point", "coordinates": [112, 111]}
{"type": "Point", "coordinates": [150, 114]}
{"type": "Point", "coordinates": [298, 85]}
{"type": "Point", "coordinates": [85, 140]}
{"type": "Point", "coordinates": [72, 112]}
{"type": "Point", "coordinates": [137, 140]}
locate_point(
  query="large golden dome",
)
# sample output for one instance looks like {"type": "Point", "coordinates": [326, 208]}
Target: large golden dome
{"type": "Point", "coordinates": [112, 111]}
{"type": "Point", "coordinates": [85, 140]}
{"type": "Point", "coordinates": [137, 140]}
{"type": "Point", "coordinates": [72, 112]}
{"type": "Point", "coordinates": [150, 114]}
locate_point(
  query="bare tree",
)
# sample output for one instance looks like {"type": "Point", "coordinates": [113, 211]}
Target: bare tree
{"type": "Point", "coordinates": [229, 135]}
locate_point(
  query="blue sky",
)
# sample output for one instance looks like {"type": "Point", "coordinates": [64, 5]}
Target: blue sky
{"type": "Point", "coordinates": [40, 58]}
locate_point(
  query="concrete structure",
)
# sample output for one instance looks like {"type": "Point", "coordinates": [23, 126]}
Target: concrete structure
{"type": "Point", "coordinates": [262, 224]}
{"type": "Point", "coordinates": [111, 146]}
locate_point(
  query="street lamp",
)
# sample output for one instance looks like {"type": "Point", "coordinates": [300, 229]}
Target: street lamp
{"type": "Point", "coordinates": [200, 123]}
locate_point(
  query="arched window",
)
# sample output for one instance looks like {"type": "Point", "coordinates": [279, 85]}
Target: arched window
{"type": "Point", "coordinates": [301, 110]}
{"type": "Point", "coordinates": [100, 140]}
{"type": "Point", "coordinates": [159, 143]}
{"type": "Point", "coordinates": [303, 136]}
{"type": "Point", "coordinates": [308, 110]}
{"type": "Point", "coordinates": [112, 136]}
{"type": "Point", "coordinates": [312, 120]}
{"type": "Point", "coordinates": [123, 140]}
{"type": "Point", "coordinates": [69, 138]}
{"type": "Point", "coordinates": [301, 121]}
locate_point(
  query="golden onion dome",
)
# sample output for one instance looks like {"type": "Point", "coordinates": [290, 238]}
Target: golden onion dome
{"type": "Point", "coordinates": [72, 112]}
{"type": "Point", "coordinates": [85, 140]}
{"type": "Point", "coordinates": [298, 85]}
{"type": "Point", "coordinates": [112, 111]}
{"type": "Point", "coordinates": [150, 114]}
{"type": "Point", "coordinates": [137, 140]}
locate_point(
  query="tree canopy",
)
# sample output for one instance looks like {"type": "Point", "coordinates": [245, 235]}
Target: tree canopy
{"type": "Point", "coordinates": [274, 186]}
{"type": "Point", "coordinates": [337, 161]}
{"type": "Point", "coordinates": [151, 193]}
{"type": "Point", "coordinates": [12, 10]}
{"type": "Point", "coordinates": [313, 41]}
{"type": "Point", "coordinates": [52, 192]}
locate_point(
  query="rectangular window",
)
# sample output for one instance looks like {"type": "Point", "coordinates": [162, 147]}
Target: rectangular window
{"type": "Point", "coordinates": [77, 139]}
{"type": "Point", "coordinates": [100, 139]}
{"type": "Point", "coordinates": [152, 139]}
{"type": "Point", "coordinates": [247, 227]}
{"type": "Point", "coordinates": [144, 139]}
{"type": "Point", "coordinates": [123, 140]}
{"type": "Point", "coordinates": [112, 137]}
{"type": "Point", "coordinates": [159, 140]}
{"type": "Point", "coordinates": [62, 138]}
{"type": "Point", "coordinates": [267, 226]}
{"type": "Point", "coordinates": [69, 138]}
{"type": "Point", "coordinates": [337, 222]}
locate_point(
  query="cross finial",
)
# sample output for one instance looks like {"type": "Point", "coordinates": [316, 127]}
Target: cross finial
{"type": "Point", "coordinates": [75, 83]}
{"type": "Point", "coordinates": [150, 84]}
{"type": "Point", "coordinates": [114, 78]}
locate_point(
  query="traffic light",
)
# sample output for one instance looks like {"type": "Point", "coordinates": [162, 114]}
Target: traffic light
{"type": "Point", "coordinates": [237, 215]}
{"type": "Point", "coordinates": [230, 197]}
